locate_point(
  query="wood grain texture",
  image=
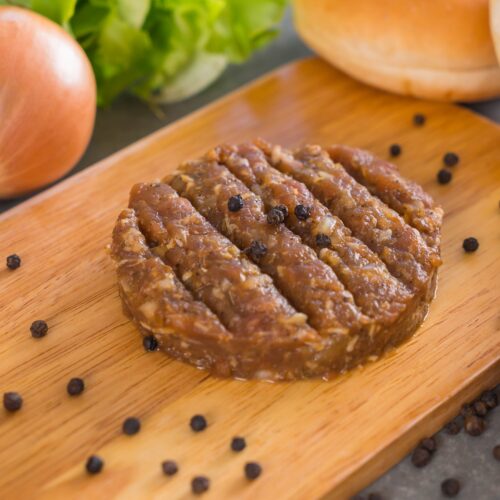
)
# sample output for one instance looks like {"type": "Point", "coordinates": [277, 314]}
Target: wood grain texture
{"type": "Point", "coordinates": [313, 438]}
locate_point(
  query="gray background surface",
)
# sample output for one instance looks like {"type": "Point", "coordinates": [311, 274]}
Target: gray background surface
{"type": "Point", "coordinates": [466, 458]}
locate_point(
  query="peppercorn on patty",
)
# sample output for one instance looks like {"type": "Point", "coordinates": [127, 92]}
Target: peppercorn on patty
{"type": "Point", "coordinates": [399, 245]}
{"type": "Point", "coordinates": [308, 283]}
{"type": "Point", "coordinates": [258, 262]}
{"type": "Point", "coordinates": [378, 294]}
{"type": "Point", "coordinates": [213, 269]}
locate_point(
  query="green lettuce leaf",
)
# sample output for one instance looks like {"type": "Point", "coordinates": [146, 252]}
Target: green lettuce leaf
{"type": "Point", "coordinates": [134, 12]}
{"type": "Point", "coordinates": [60, 11]}
{"type": "Point", "coordinates": [162, 50]}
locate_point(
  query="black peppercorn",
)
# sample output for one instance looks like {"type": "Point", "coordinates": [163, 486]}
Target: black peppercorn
{"type": "Point", "coordinates": [284, 209]}
{"type": "Point", "coordinates": [235, 203]}
{"type": "Point", "coordinates": [13, 261]}
{"type": "Point", "coordinates": [39, 329]}
{"type": "Point", "coordinates": [480, 408]}
{"type": "Point", "coordinates": [150, 343]}
{"type": "Point", "coordinates": [198, 423]}
{"type": "Point", "coordinates": [302, 212]}
{"type": "Point", "coordinates": [395, 150]}
{"type": "Point", "coordinates": [238, 444]}
{"type": "Point", "coordinates": [467, 410]}
{"type": "Point", "coordinates": [200, 484]}
{"type": "Point", "coordinates": [419, 119]}
{"type": "Point", "coordinates": [256, 250]}
{"type": "Point", "coordinates": [496, 452]}
{"type": "Point", "coordinates": [474, 425]}
{"type": "Point", "coordinates": [94, 464]}
{"type": "Point", "coordinates": [252, 470]}
{"type": "Point", "coordinates": [420, 457]}
{"type": "Point", "coordinates": [375, 496]}
{"type": "Point", "coordinates": [75, 386]}
{"type": "Point", "coordinates": [444, 176]}
{"type": "Point", "coordinates": [490, 399]}
{"type": "Point", "coordinates": [453, 427]}
{"type": "Point", "coordinates": [131, 426]}
{"type": "Point", "coordinates": [429, 444]}
{"type": "Point", "coordinates": [275, 216]}
{"type": "Point", "coordinates": [323, 240]}
{"type": "Point", "coordinates": [470, 244]}
{"type": "Point", "coordinates": [169, 467]}
{"type": "Point", "coordinates": [450, 159]}
{"type": "Point", "coordinates": [450, 487]}
{"type": "Point", "coordinates": [12, 401]}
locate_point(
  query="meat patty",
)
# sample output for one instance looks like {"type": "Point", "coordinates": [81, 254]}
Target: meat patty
{"type": "Point", "coordinates": [340, 270]}
{"type": "Point", "coordinates": [330, 308]}
{"type": "Point", "coordinates": [382, 179]}
{"type": "Point", "coordinates": [213, 269]}
{"type": "Point", "coordinates": [399, 245]}
{"type": "Point", "coordinates": [378, 294]}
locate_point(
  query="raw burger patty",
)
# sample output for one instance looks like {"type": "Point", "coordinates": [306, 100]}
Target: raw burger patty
{"type": "Point", "coordinates": [323, 259]}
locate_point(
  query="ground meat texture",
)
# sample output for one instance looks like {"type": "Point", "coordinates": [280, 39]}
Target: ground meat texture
{"type": "Point", "coordinates": [158, 301]}
{"type": "Point", "coordinates": [269, 340]}
{"type": "Point", "coordinates": [378, 294]}
{"type": "Point", "coordinates": [407, 198]}
{"type": "Point", "coordinates": [351, 277]}
{"type": "Point", "coordinates": [161, 303]}
{"type": "Point", "coordinates": [400, 246]}
{"type": "Point", "coordinates": [213, 269]}
{"type": "Point", "coordinates": [329, 307]}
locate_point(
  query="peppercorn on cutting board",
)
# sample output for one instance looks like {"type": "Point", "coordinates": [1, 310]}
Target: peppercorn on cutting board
{"type": "Point", "coordinates": [313, 438]}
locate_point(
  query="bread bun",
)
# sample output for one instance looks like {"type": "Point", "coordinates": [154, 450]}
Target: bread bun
{"type": "Point", "coordinates": [437, 49]}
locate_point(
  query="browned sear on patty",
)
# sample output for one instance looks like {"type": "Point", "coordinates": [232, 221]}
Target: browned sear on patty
{"type": "Point", "coordinates": [307, 282]}
{"type": "Point", "coordinates": [259, 262]}
{"type": "Point", "coordinates": [378, 294]}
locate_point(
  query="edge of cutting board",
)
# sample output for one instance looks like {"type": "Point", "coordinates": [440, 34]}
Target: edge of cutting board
{"type": "Point", "coordinates": [140, 143]}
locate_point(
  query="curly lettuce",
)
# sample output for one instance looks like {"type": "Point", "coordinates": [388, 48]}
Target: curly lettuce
{"type": "Point", "coordinates": [162, 50]}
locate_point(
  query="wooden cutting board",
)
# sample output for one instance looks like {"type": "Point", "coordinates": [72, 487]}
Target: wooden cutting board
{"type": "Point", "coordinates": [312, 438]}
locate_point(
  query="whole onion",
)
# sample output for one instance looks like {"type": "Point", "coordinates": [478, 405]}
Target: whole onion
{"type": "Point", "coordinates": [47, 101]}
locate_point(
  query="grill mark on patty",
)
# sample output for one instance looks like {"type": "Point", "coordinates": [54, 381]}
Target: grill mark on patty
{"type": "Point", "coordinates": [309, 284]}
{"type": "Point", "coordinates": [214, 270]}
{"type": "Point", "coordinates": [399, 245]}
{"type": "Point", "coordinates": [188, 330]}
{"type": "Point", "coordinates": [378, 294]}
{"type": "Point", "coordinates": [261, 335]}
{"type": "Point", "coordinates": [165, 305]}
{"type": "Point", "coordinates": [383, 180]}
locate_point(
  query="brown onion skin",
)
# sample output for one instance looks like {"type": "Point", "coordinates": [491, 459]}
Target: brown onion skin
{"type": "Point", "coordinates": [47, 101]}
